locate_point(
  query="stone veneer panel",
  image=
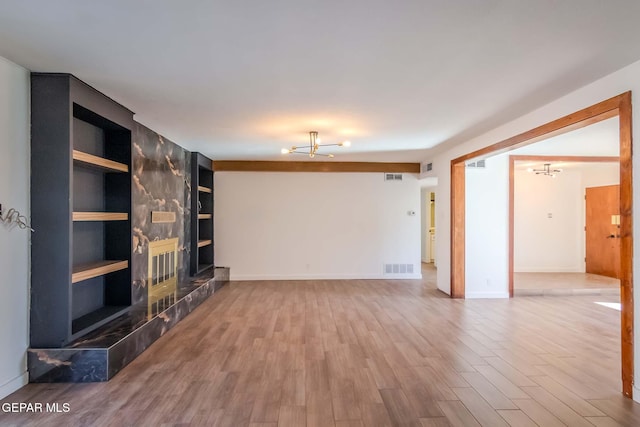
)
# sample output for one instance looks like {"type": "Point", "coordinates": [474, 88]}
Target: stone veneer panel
{"type": "Point", "coordinates": [161, 182]}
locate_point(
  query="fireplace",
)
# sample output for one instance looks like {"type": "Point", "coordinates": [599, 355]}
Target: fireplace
{"type": "Point", "coordinates": [163, 275]}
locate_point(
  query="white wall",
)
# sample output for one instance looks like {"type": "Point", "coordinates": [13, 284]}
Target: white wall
{"type": "Point", "coordinates": [486, 229]}
{"type": "Point", "coordinates": [556, 244]}
{"type": "Point", "coordinates": [286, 225]}
{"type": "Point", "coordinates": [14, 242]}
{"type": "Point", "coordinates": [548, 223]}
{"type": "Point", "coordinates": [600, 175]}
{"type": "Point", "coordinates": [614, 84]}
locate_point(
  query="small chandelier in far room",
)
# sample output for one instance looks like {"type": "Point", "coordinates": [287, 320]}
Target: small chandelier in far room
{"type": "Point", "coordinates": [314, 145]}
{"type": "Point", "coordinates": [546, 170]}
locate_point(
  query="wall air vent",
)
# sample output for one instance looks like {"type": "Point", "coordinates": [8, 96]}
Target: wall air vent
{"type": "Point", "coordinates": [478, 164]}
{"type": "Point", "coordinates": [398, 269]}
{"type": "Point", "coordinates": [393, 177]}
{"type": "Point", "coordinates": [426, 167]}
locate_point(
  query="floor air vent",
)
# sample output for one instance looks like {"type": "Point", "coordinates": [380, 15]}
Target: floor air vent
{"type": "Point", "coordinates": [393, 177]}
{"type": "Point", "coordinates": [398, 269]}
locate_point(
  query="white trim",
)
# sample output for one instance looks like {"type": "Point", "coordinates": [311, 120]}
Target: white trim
{"type": "Point", "coordinates": [12, 385]}
{"type": "Point", "coordinates": [245, 277]}
{"type": "Point", "coordinates": [472, 295]}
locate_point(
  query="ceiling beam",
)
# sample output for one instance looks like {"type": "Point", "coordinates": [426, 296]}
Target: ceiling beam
{"type": "Point", "coordinates": [273, 166]}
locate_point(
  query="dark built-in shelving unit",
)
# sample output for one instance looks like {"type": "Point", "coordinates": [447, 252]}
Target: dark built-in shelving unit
{"type": "Point", "coordinates": [201, 214]}
{"type": "Point", "coordinates": [80, 209]}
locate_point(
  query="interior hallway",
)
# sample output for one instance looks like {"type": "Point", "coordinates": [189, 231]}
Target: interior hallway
{"type": "Point", "coordinates": [363, 352]}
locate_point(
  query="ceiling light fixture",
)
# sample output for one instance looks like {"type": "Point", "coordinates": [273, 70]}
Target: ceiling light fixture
{"type": "Point", "coordinates": [314, 145]}
{"type": "Point", "coordinates": [546, 170]}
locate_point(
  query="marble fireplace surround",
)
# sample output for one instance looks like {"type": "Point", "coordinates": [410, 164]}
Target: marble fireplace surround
{"type": "Point", "coordinates": [101, 354]}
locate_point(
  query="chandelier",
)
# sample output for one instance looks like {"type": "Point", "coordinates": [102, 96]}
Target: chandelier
{"type": "Point", "coordinates": [314, 145]}
{"type": "Point", "coordinates": [546, 170]}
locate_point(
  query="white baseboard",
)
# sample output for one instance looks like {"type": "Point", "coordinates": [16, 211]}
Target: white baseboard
{"type": "Point", "coordinates": [478, 295]}
{"type": "Point", "coordinates": [249, 277]}
{"type": "Point", "coordinates": [12, 385]}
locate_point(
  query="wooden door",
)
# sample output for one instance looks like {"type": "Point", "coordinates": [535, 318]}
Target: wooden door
{"type": "Point", "coordinates": [602, 236]}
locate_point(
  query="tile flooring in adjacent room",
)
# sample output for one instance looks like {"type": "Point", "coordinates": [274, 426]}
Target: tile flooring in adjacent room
{"type": "Point", "coordinates": [525, 284]}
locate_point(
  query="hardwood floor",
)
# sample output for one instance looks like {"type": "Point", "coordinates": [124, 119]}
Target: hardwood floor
{"type": "Point", "coordinates": [362, 353]}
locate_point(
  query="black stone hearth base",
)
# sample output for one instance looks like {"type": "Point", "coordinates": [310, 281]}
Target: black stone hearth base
{"type": "Point", "coordinates": [101, 354]}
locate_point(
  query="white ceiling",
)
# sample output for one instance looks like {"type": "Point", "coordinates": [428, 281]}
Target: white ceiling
{"type": "Point", "coordinates": [243, 79]}
{"type": "Point", "coordinates": [599, 139]}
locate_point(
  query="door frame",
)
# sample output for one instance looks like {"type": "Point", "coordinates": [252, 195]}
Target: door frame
{"type": "Point", "coordinates": [534, 158]}
{"type": "Point", "coordinates": [617, 106]}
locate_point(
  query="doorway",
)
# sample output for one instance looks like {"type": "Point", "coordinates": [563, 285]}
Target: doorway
{"type": "Point", "coordinates": [548, 216]}
{"type": "Point", "coordinates": [617, 106]}
{"type": "Point", "coordinates": [428, 225]}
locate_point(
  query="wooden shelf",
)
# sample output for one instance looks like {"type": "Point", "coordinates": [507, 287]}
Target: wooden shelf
{"type": "Point", "coordinates": [204, 189]}
{"type": "Point", "coordinates": [204, 216]}
{"type": "Point", "coordinates": [100, 216]}
{"type": "Point", "coordinates": [87, 159]}
{"type": "Point", "coordinates": [203, 243]}
{"type": "Point", "coordinates": [100, 268]}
